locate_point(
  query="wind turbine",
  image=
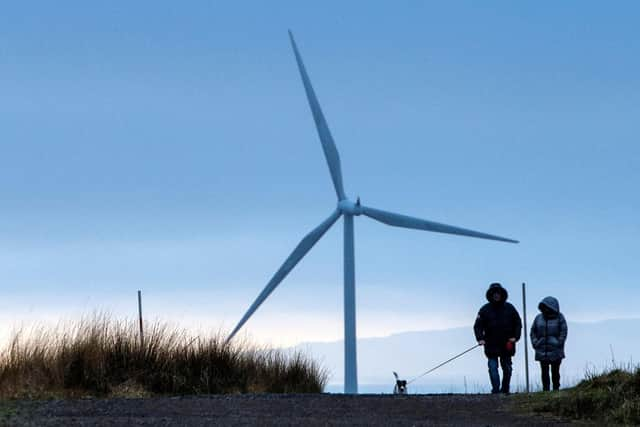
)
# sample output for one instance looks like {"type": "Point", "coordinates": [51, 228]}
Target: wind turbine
{"type": "Point", "coordinates": [347, 209]}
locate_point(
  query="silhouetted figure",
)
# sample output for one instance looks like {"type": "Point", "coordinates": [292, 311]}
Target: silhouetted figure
{"type": "Point", "coordinates": [548, 335]}
{"type": "Point", "coordinates": [498, 328]}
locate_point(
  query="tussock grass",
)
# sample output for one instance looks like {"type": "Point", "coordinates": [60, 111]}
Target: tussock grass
{"type": "Point", "coordinates": [100, 356]}
{"type": "Point", "coordinates": [610, 397]}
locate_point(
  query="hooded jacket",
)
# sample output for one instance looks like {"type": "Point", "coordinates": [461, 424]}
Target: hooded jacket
{"type": "Point", "coordinates": [549, 331]}
{"type": "Point", "coordinates": [496, 323]}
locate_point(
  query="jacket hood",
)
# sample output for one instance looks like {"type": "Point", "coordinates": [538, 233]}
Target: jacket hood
{"type": "Point", "coordinates": [496, 287]}
{"type": "Point", "coordinates": [551, 304]}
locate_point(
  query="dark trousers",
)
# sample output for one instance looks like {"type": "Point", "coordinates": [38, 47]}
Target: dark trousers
{"type": "Point", "coordinates": [555, 374]}
{"type": "Point", "coordinates": [505, 364]}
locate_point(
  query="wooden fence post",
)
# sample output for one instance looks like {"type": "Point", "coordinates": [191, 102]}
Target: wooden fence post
{"type": "Point", "coordinates": [140, 318]}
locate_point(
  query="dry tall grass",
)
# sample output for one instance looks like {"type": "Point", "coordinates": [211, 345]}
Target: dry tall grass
{"type": "Point", "coordinates": [100, 356]}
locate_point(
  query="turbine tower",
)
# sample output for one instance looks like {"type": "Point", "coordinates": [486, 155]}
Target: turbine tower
{"type": "Point", "coordinates": [347, 209]}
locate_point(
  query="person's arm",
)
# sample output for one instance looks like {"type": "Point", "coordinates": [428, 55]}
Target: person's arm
{"type": "Point", "coordinates": [534, 334]}
{"type": "Point", "coordinates": [517, 324]}
{"type": "Point", "coordinates": [478, 328]}
{"type": "Point", "coordinates": [563, 329]}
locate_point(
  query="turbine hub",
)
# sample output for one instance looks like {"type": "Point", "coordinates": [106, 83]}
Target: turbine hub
{"type": "Point", "coordinates": [347, 207]}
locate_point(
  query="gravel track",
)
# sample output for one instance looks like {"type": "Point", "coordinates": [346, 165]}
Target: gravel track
{"type": "Point", "coordinates": [271, 410]}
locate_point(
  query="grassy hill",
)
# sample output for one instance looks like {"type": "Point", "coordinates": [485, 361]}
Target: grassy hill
{"type": "Point", "coordinates": [99, 356]}
{"type": "Point", "coordinates": [607, 398]}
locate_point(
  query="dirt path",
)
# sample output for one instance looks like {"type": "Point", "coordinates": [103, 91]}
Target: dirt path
{"type": "Point", "coordinates": [280, 410]}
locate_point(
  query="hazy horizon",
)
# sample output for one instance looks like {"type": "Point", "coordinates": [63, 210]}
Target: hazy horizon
{"type": "Point", "coordinates": [591, 347]}
{"type": "Point", "coordinates": [413, 352]}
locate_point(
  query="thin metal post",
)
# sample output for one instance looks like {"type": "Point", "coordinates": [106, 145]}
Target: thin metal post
{"type": "Point", "coordinates": [526, 334]}
{"type": "Point", "coordinates": [140, 318]}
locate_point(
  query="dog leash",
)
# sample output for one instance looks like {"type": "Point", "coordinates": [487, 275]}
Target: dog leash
{"type": "Point", "coordinates": [444, 363]}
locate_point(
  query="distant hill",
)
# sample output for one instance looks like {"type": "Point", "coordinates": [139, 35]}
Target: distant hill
{"type": "Point", "coordinates": [589, 346]}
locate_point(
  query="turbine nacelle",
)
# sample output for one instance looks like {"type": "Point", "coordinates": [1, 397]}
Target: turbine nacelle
{"type": "Point", "coordinates": [347, 207]}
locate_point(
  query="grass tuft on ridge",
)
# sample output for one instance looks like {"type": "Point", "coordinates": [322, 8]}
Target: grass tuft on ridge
{"type": "Point", "coordinates": [100, 356]}
{"type": "Point", "coordinates": [610, 397]}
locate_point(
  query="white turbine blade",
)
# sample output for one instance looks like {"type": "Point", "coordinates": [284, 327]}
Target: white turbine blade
{"type": "Point", "coordinates": [398, 220]}
{"type": "Point", "coordinates": [328, 145]}
{"type": "Point", "coordinates": [298, 253]}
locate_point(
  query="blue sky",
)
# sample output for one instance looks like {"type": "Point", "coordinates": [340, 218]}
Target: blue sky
{"type": "Point", "coordinates": [168, 147]}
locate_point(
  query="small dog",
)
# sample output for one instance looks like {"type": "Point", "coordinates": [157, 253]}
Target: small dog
{"type": "Point", "coordinates": [401, 385]}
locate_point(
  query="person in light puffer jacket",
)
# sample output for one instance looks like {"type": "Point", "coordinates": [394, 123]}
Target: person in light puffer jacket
{"type": "Point", "coordinates": [548, 335]}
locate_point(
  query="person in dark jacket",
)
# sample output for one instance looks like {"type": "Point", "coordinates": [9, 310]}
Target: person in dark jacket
{"type": "Point", "coordinates": [498, 328]}
{"type": "Point", "coordinates": [548, 335]}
